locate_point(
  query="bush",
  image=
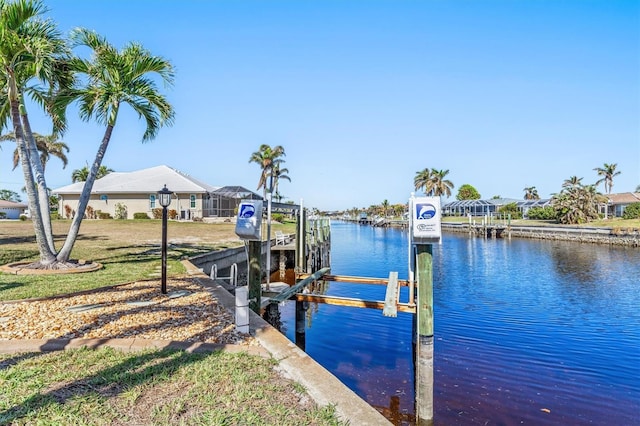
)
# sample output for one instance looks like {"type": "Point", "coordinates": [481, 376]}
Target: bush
{"type": "Point", "coordinates": [56, 216]}
{"type": "Point", "coordinates": [120, 211]}
{"type": "Point", "coordinates": [3, 215]}
{"type": "Point", "coordinates": [511, 208]}
{"type": "Point", "coordinates": [141, 215]}
{"type": "Point", "coordinates": [23, 217]}
{"type": "Point", "coordinates": [173, 214]}
{"type": "Point", "coordinates": [90, 213]}
{"type": "Point", "coordinates": [103, 215]}
{"type": "Point", "coordinates": [157, 213]}
{"type": "Point", "coordinates": [632, 211]}
{"type": "Point", "coordinates": [541, 213]}
{"type": "Point", "coordinates": [278, 217]}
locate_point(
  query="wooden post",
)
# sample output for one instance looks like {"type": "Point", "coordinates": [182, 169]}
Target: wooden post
{"type": "Point", "coordinates": [424, 336]}
{"type": "Point", "coordinates": [255, 275]}
{"type": "Point", "coordinates": [301, 324]}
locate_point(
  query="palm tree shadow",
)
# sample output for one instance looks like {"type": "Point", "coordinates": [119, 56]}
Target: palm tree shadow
{"type": "Point", "coordinates": [18, 358]}
{"type": "Point", "coordinates": [135, 370]}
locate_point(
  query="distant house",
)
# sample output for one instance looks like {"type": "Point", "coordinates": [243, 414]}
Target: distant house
{"type": "Point", "coordinates": [138, 190]}
{"type": "Point", "coordinates": [618, 202]}
{"type": "Point", "coordinates": [489, 207]}
{"type": "Point", "coordinates": [11, 210]}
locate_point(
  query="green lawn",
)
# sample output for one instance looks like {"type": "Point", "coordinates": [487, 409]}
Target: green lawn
{"type": "Point", "coordinates": [155, 387]}
{"type": "Point", "coordinates": [129, 250]}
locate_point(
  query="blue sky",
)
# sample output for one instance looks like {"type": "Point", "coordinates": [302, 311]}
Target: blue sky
{"type": "Point", "coordinates": [363, 94]}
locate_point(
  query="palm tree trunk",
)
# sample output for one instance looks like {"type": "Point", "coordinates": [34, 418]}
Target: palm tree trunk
{"type": "Point", "coordinates": [47, 256]}
{"type": "Point", "coordinates": [65, 251]}
{"type": "Point", "coordinates": [38, 168]}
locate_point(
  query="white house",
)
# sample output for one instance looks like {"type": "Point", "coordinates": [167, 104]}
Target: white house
{"type": "Point", "coordinates": [11, 210]}
{"type": "Point", "coordinates": [137, 192]}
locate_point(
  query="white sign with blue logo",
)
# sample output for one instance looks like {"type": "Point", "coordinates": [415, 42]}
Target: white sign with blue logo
{"type": "Point", "coordinates": [425, 220]}
{"type": "Point", "coordinates": [249, 220]}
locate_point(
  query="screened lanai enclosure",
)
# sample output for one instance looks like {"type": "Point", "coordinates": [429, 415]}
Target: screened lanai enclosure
{"type": "Point", "coordinates": [224, 202]}
{"type": "Point", "coordinates": [489, 207]}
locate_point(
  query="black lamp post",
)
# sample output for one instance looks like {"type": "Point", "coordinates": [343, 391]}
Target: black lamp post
{"type": "Point", "coordinates": [164, 198]}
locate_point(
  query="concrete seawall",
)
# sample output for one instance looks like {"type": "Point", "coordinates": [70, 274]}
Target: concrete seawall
{"type": "Point", "coordinates": [618, 237]}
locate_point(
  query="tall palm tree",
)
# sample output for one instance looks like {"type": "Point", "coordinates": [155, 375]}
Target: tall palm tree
{"type": "Point", "coordinates": [441, 186]}
{"type": "Point", "coordinates": [422, 180]}
{"type": "Point", "coordinates": [531, 193]}
{"type": "Point", "coordinates": [81, 175]}
{"type": "Point", "coordinates": [110, 78]}
{"type": "Point", "coordinates": [385, 207]}
{"type": "Point", "coordinates": [47, 146]}
{"type": "Point", "coordinates": [267, 158]}
{"type": "Point", "coordinates": [433, 182]}
{"type": "Point", "coordinates": [279, 173]}
{"type": "Point", "coordinates": [608, 172]}
{"type": "Point", "coordinates": [572, 181]}
{"type": "Point", "coordinates": [31, 52]}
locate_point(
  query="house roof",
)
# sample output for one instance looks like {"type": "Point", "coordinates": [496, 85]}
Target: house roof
{"type": "Point", "coordinates": [624, 198]}
{"type": "Point", "coordinates": [142, 181]}
{"type": "Point", "coordinates": [4, 204]}
{"type": "Point", "coordinates": [238, 192]}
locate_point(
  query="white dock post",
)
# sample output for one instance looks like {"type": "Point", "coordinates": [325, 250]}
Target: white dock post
{"type": "Point", "coordinates": [242, 309]}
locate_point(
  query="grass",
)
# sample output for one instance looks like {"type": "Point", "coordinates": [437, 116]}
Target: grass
{"type": "Point", "coordinates": [129, 250]}
{"type": "Point", "coordinates": [109, 387]}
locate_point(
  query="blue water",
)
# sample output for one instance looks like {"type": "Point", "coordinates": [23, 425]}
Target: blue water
{"type": "Point", "coordinates": [526, 332]}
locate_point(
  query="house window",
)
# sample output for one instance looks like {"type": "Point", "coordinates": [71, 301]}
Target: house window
{"type": "Point", "coordinates": [152, 201]}
{"type": "Point", "coordinates": [192, 199]}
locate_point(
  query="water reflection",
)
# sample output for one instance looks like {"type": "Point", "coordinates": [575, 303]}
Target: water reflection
{"type": "Point", "coordinates": [526, 331]}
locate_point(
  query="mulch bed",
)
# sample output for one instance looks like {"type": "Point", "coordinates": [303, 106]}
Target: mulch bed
{"type": "Point", "coordinates": [136, 309]}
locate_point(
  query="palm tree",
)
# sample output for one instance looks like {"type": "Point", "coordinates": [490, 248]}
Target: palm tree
{"type": "Point", "coordinates": [433, 182]}
{"type": "Point", "coordinates": [572, 181]}
{"type": "Point", "coordinates": [423, 181]}
{"type": "Point", "coordinates": [31, 49]}
{"type": "Point", "coordinates": [385, 207]}
{"type": "Point", "coordinates": [267, 158]}
{"type": "Point", "coordinates": [47, 146]}
{"type": "Point", "coordinates": [608, 172]}
{"type": "Point", "coordinates": [111, 78]}
{"type": "Point", "coordinates": [531, 193]}
{"type": "Point", "coordinates": [81, 175]}
{"type": "Point", "coordinates": [577, 204]}
{"type": "Point", "coordinates": [441, 186]}
{"type": "Point", "coordinates": [279, 173]}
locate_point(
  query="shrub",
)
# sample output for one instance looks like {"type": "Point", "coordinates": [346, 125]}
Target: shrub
{"type": "Point", "coordinates": [278, 217]}
{"type": "Point", "coordinates": [632, 211]}
{"type": "Point", "coordinates": [120, 211]}
{"type": "Point", "coordinates": [141, 215]}
{"type": "Point", "coordinates": [157, 213]}
{"type": "Point", "coordinates": [23, 217]}
{"type": "Point", "coordinates": [511, 208]}
{"type": "Point", "coordinates": [67, 211]}
{"type": "Point", "coordinates": [90, 213]}
{"type": "Point", "coordinates": [541, 213]}
{"type": "Point", "coordinates": [172, 214]}
{"type": "Point", "coordinates": [103, 215]}
{"type": "Point", "coordinates": [55, 216]}
{"type": "Point", "coordinates": [3, 215]}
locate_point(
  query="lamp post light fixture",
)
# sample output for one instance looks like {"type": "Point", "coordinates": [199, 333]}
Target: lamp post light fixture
{"type": "Point", "coordinates": [164, 198]}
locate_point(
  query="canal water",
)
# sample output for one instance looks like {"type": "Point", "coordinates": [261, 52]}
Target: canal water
{"type": "Point", "coordinates": [526, 331]}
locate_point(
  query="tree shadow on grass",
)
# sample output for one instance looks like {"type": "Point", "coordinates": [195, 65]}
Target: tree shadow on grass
{"type": "Point", "coordinates": [10, 286]}
{"type": "Point", "coordinates": [138, 369]}
{"type": "Point", "coordinates": [18, 358]}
